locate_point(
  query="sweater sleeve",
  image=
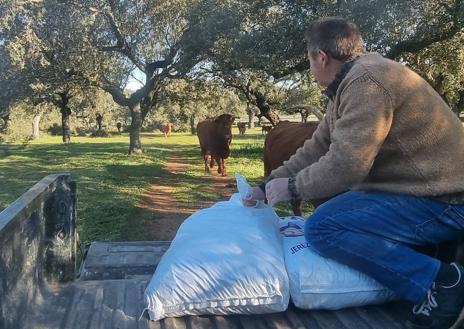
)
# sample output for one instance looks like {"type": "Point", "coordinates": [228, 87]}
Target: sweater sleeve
{"type": "Point", "coordinates": [310, 152]}
{"type": "Point", "coordinates": [363, 120]}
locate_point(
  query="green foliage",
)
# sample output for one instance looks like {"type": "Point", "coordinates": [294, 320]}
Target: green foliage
{"type": "Point", "coordinates": [442, 64]}
{"type": "Point", "coordinates": [268, 36]}
{"type": "Point", "coordinates": [86, 107]}
{"type": "Point", "coordinates": [304, 91]}
{"type": "Point", "coordinates": [186, 101]}
{"type": "Point", "coordinates": [17, 131]}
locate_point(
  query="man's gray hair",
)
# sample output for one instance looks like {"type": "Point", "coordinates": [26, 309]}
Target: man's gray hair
{"type": "Point", "coordinates": [336, 36]}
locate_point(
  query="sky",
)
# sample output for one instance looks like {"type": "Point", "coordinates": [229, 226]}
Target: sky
{"type": "Point", "coordinates": [133, 84]}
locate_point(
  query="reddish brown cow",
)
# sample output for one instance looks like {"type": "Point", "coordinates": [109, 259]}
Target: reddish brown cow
{"type": "Point", "coordinates": [215, 136]}
{"type": "Point", "coordinates": [241, 127]}
{"type": "Point", "coordinates": [265, 129]}
{"type": "Point", "coordinates": [282, 142]}
{"type": "Point", "coordinates": [167, 129]}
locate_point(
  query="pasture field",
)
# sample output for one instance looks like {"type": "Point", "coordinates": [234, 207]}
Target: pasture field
{"type": "Point", "coordinates": [111, 183]}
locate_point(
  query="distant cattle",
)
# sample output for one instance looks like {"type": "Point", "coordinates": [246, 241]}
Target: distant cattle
{"type": "Point", "coordinates": [215, 136]}
{"type": "Point", "coordinates": [265, 129]}
{"type": "Point", "coordinates": [282, 142]}
{"type": "Point", "coordinates": [167, 129]}
{"type": "Point", "coordinates": [241, 127]}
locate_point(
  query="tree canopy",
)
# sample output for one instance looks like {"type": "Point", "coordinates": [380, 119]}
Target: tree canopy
{"type": "Point", "coordinates": [51, 50]}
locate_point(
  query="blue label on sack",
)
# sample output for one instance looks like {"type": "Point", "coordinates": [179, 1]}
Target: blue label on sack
{"type": "Point", "coordinates": [292, 229]}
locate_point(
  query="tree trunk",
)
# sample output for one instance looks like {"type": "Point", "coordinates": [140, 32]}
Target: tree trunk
{"type": "Point", "coordinates": [272, 117]}
{"type": "Point", "coordinates": [99, 121]}
{"type": "Point", "coordinates": [251, 116]}
{"type": "Point", "coordinates": [35, 126]}
{"type": "Point", "coordinates": [6, 120]}
{"type": "Point", "coordinates": [193, 128]}
{"type": "Point", "coordinates": [265, 109]}
{"type": "Point", "coordinates": [65, 123]}
{"type": "Point", "coordinates": [135, 146]}
{"type": "Point", "coordinates": [304, 116]}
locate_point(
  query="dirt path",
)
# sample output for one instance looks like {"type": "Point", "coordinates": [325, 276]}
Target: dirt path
{"type": "Point", "coordinates": [163, 214]}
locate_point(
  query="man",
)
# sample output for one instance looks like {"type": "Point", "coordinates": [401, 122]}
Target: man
{"type": "Point", "coordinates": [389, 153]}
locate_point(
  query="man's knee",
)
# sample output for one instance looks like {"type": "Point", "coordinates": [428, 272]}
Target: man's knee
{"type": "Point", "coordinates": [318, 229]}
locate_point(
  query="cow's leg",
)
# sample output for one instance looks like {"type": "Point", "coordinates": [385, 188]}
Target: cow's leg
{"type": "Point", "coordinates": [211, 163]}
{"type": "Point", "coordinates": [219, 163]}
{"type": "Point", "coordinates": [296, 207]}
{"type": "Point", "coordinates": [205, 158]}
{"type": "Point", "coordinates": [223, 166]}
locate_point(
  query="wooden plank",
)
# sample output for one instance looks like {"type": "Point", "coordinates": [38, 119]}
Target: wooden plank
{"type": "Point", "coordinates": [203, 322]}
{"type": "Point", "coordinates": [294, 319]}
{"type": "Point", "coordinates": [226, 322]}
{"type": "Point", "coordinates": [107, 308]}
{"type": "Point", "coordinates": [151, 324]}
{"type": "Point", "coordinates": [379, 319]}
{"type": "Point", "coordinates": [303, 316]}
{"type": "Point", "coordinates": [278, 321]}
{"type": "Point", "coordinates": [254, 322]}
{"type": "Point", "coordinates": [72, 315]}
{"type": "Point", "coordinates": [173, 323]}
{"type": "Point", "coordinates": [322, 319]}
{"type": "Point", "coordinates": [39, 317]}
{"type": "Point", "coordinates": [349, 316]}
{"type": "Point", "coordinates": [97, 315]}
{"type": "Point", "coordinates": [119, 318]}
{"type": "Point", "coordinates": [132, 299]}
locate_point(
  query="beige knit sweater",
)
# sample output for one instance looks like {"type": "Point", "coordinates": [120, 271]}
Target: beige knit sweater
{"type": "Point", "coordinates": [386, 129]}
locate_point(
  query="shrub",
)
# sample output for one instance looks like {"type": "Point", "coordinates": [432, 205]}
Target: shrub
{"type": "Point", "coordinates": [20, 125]}
{"type": "Point", "coordinates": [55, 130]}
{"type": "Point", "coordinates": [100, 133]}
{"type": "Point", "coordinates": [83, 132]}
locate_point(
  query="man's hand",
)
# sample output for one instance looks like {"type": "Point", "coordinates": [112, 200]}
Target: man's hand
{"type": "Point", "coordinates": [277, 190]}
{"type": "Point", "coordinates": [256, 195]}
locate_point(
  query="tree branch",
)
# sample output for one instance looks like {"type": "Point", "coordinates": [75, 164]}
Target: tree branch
{"type": "Point", "coordinates": [311, 108]}
{"type": "Point", "coordinates": [121, 45]}
{"type": "Point", "coordinates": [117, 94]}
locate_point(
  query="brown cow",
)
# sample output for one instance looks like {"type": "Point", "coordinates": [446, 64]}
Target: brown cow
{"type": "Point", "coordinates": [282, 142]}
{"type": "Point", "coordinates": [167, 129]}
{"type": "Point", "coordinates": [241, 127]}
{"type": "Point", "coordinates": [265, 129]}
{"type": "Point", "coordinates": [215, 136]}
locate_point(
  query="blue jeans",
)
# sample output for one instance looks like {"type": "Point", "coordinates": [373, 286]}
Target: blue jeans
{"type": "Point", "coordinates": [371, 231]}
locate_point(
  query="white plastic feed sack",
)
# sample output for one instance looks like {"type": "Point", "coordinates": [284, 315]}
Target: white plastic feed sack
{"type": "Point", "coordinates": [225, 259]}
{"type": "Point", "coordinates": [320, 283]}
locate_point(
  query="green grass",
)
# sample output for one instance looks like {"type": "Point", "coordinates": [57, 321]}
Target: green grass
{"type": "Point", "coordinates": [110, 183]}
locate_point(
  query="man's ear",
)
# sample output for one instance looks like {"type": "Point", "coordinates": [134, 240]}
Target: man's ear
{"type": "Point", "coordinates": [324, 58]}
